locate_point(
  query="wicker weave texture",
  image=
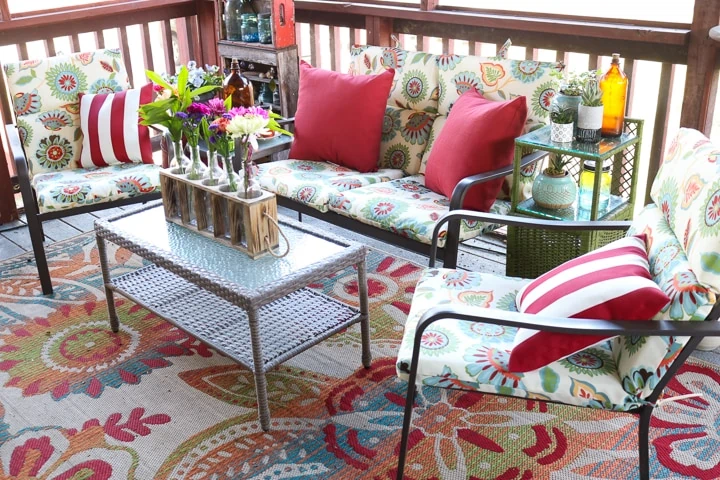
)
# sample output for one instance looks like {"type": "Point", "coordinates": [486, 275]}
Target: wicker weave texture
{"type": "Point", "coordinates": [225, 326]}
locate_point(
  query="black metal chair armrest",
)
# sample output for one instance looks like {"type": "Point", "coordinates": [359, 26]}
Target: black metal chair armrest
{"type": "Point", "coordinates": [526, 222]}
{"type": "Point", "coordinates": [18, 154]}
{"type": "Point", "coordinates": [461, 189]}
{"type": "Point", "coordinates": [580, 326]}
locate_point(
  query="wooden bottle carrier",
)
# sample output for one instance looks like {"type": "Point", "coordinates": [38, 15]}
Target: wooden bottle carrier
{"type": "Point", "coordinates": [236, 222]}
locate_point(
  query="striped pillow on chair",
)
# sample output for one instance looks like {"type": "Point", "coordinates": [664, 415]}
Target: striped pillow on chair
{"type": "Point", "coordinates": [610, 283]}
{"type": "Point", "coordinates": [111, 128]}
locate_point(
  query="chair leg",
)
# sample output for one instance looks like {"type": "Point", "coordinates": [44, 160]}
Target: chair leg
{"type": "Point", "coordinates": [644, 442]}
{"type": "Point", "coordinates": [407, 418]}
{"type": "Point", "coordinates": [37, 237]}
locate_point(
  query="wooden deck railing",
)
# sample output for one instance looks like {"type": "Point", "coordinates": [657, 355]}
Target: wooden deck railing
{"type": "Point", "coordinates": [192, 25]}
{"type": "Point", "coordinates": [171, 30]}
{"type": "Point", "coordinates": [671, 44]}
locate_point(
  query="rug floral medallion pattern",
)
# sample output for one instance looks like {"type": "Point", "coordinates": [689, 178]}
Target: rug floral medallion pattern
{"type": "Point", "coordinates": [79, 402]}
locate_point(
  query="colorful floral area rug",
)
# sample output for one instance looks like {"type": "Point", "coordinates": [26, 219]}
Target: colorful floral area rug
{"type": "Point", "coordinates": [77, 401]}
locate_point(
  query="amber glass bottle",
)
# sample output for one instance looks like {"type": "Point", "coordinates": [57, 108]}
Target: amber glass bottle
{"type": "Point", "coordinates": [614, 86]}
{"type": "Point", "coordinates": [238, 86]}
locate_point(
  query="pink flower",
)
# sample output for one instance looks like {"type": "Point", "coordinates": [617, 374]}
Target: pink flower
{"type": "Point", "coordinates": [216, 106]}
{"type": "Point", "coordinates": [158, 88]}
{"type": "Point", "coordinates": [198, 109]}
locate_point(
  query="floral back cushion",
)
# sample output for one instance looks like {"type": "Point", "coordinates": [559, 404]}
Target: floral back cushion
{"type": "Point", "coordinates": [45, 99]}
{"type": "Point", "coordinates": [687, 192]}
{"type": "Point", "coordinates": [500, 79]}
{"type": "Point", "coordinates": [642, 361]}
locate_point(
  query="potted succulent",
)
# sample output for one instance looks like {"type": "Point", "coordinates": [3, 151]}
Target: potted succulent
{"type": "Point", "coordinates": [554, 188]}
{"type": "Point", "coordinates": [590, 113]}
{"type": "Point", "coordinates": [561, 123]}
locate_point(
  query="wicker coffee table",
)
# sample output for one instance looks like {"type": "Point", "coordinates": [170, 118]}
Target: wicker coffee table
{"type": "Point", "coordinates": [257, 312]}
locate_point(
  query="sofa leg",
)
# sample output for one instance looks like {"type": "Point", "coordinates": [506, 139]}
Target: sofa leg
{"type": "Point", "coordinates": [37, 238]}
{"type": "Point", "coordinates": [299, 217]}
{"type": "Point", "coordinates": [644, 442]}
{"type": "Point", "coordinates": [452, 243]}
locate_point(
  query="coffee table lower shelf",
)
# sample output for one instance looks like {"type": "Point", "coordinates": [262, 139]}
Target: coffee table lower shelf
{"type": "Point", "coordinates": [288, 326]}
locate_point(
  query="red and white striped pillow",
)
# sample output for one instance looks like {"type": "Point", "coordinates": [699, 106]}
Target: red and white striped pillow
{"type": "Point", "coordinates": [111, 128]}
{"type": "Point", "coordinates": [611, 283]}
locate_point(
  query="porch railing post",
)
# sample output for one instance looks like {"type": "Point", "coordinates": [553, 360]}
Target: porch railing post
{"type": "Point", "coordinates": [208, 31]}
{"type": "Point", "coordinates": [379, 31]}
{"type": "Point", "coordinates": [701, 83]}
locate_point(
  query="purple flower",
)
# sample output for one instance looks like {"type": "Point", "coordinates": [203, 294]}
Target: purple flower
{"type": "Point", "coordinates": [259, 111]}
{"type": "Point", "coordinates": [198, 109]}
{"type": "Point", "coordinates": [181, 115]}
{"type": "Point", "coordinates": [216, 107]}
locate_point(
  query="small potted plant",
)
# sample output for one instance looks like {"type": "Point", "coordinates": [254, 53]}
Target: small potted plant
{"type": "Point", "coordinates": [590, 112]}
{"type": "Point", "coordinates": [554, 188]}
{"type": "Point", "coordinates": [561, 123]}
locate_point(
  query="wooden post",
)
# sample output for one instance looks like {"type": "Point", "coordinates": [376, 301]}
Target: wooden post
{"type": "Point", "coordinates": [208, 33]}
{"type": "Point", "coordinates": [662, 118]}
{"type": "Point", "coordinates": [379, 31]}
{"type": "Point", "coordinates": [4, 11]}
{"type": "Point", "coordinates": [428, 5]}
{"type": "Point", "coordinates": [701, 83]}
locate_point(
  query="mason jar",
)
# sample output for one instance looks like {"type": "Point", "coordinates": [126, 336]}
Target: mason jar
{"type": "Point", "coordinates": [249, 27]}
{"type": "Point", "coordinates": [264, 28]}
{"type": "Point", "coordinates": [587, 183]}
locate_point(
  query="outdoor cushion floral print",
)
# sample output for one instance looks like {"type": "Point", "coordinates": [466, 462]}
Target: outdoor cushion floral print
{"type": "Point", "coordinates": [45, 100]}
{"type": "Point", "coordinates": [687, 191]}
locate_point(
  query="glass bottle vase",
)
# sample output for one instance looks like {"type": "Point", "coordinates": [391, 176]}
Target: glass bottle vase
{"type": "Point", "coordinates": [178, 162]}
{"type": "Point", "coordinates": [229, 175]}
{"type": "Point", "coordinates": [197, 168]}
{"type": "Point", "coordinates": [214, 172]}
{"type": "Point", "coordinates": [250, 185]}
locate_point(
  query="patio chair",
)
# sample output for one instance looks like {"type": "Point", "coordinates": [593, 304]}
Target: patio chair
{"type": "Point", "coordinates": [462, 326]}
{"type": "Point", "coordinates": [59, 177]}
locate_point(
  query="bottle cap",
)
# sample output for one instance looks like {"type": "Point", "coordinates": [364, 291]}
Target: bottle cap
{"type": "Point", "coordinates": [615, 58]}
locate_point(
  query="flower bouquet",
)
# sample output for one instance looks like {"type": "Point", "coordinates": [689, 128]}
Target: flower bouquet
{"type": "Point", "coordinates": [171, 101]}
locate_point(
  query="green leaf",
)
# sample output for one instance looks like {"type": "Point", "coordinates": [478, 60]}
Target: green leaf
{"type": "Point", "coordinates": [418, 57]}
{"type": "Point", "coordinates": [77, 135]}
{"type": "Point", "coordinates": [550, 379]}
{"type": "Point", "coordinates": [501, 94]}
{"type": "Point", "coordinates": [199, 91]}
{"type": "Point", "coordinates": [157, 79]}
{"type": "Point", "coordinates": [112, 75]}
{"type": "Point", "coordinates": [116, 66]}
{"type": "Point", "coordinates": [228, 103]}
{"type": "Point", "coordinates": [374, 63]}
{"type": "Point", "coordinates": [24, 80]}
{"type": "Point", "coordinates": [182, 80]}
{"type": "Point", "coordinates": [33, 73]}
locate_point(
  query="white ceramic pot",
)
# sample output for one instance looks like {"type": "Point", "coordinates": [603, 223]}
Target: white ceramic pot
{"type": "Point", "coordinates": [589, 123]}
{"type": "Point", "coordinates": [561, 132]}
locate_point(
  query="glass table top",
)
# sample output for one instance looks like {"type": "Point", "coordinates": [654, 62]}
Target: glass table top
{"type": "Point", "coordinates": [234, 265]}
{"type": "Point", "coordinates": [540, 138]}
{"type": "Point", "coordinates": [572, 213]}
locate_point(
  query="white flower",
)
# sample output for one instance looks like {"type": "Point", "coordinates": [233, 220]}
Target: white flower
{"type": "Point", "coordinates": [164, 95]}
{"type": "Point", "coordinates": [246, 125]}
{"type": "Point", "coordinates": [191, 65]}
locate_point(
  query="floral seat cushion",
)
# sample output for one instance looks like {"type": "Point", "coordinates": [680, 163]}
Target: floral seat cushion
{"type": "Point", "coordinates": [474, 356]}
{"type": "Point", "coordinates": [82, 186]}
{"type": "Point", "coordinates": [406, 207]}
{"type": "Point", "coordinates": [313, 183]}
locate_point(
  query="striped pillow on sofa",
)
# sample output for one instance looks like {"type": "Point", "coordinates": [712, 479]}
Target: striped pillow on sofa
{"type": "Point", "coordinates": [111, 129]}
{"type": "Point", "coordinates": [610, 283]}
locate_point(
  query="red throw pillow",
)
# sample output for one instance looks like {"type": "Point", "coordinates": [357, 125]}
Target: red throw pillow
{"type": "Point", "coordinates": [339, 117]}
{"type": "Point", "coordinates": [111, 128]}
{"type": "Point", "coordinates": [610, 283]}
{"type": "Point", "coordinates": [478, 136]}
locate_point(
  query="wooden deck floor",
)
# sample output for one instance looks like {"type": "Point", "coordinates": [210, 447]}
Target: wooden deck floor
{"type": "Point", "coordinates": [485, 254]}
